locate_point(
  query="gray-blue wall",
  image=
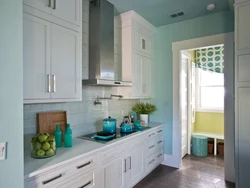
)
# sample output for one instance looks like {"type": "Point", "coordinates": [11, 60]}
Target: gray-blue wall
{"type": "Point", "coordinates": [217, 23]}
{"type": "Point", "coordinates": [11, 92]}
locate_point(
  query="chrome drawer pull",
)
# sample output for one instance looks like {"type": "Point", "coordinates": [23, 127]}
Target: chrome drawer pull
{"type": "Point", "coordinates": [86, 184]}
{"type": "Point", "coordinates": [159, 131]}
{"type": "Point", "coordinates": [52, 179]}
{"type": "Point", "coordinates": [86, 164]}
{"type": "Point", "coordinates": [159, 142]}
{"type": "Point", "coordinates": [152, 134]}
{"type": "Point", "coordinates": [159, 155]}
{"type": "Point", "coordinates": [151, 161]}
{"type": "Point", "coordinates": [151, 146]}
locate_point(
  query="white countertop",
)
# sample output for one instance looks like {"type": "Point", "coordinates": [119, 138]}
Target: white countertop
{"type": "Point", "coordinates": [63, 155]}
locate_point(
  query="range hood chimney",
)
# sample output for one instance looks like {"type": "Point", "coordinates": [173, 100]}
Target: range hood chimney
{"type": "Point", "coordinates": [101, 45]}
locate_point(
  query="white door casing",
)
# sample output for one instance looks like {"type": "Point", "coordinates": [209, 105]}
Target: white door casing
{"type": "Point", "coordinates": [227, 39]}
{"type": "Point", "coordinates": [184, 102]}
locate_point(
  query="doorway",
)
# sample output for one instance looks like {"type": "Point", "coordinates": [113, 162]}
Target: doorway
{"type": "Point", "coordinates": [226, 39]}
{"type": "Point", "coordinates": [202, 98]}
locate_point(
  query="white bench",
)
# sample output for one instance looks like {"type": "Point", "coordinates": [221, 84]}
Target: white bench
{"type": "Point", "coordinates": [211, 135]}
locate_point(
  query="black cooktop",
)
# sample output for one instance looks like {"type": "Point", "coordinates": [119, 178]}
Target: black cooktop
{"type": "Point", "coordinates": [117, 135]}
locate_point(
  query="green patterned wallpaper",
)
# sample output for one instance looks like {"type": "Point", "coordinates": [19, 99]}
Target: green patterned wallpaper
{"type": "Point", "coordinates": [211, 59]}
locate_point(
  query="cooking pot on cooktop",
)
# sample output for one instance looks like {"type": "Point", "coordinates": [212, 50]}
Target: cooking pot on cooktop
{"type": "Point", "coordinates": [109, 125]}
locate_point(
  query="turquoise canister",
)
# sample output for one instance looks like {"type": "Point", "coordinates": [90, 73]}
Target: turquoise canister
{"type": "Point", "coordinates": [68, 137]}
{"type": "Point", "coordinates": [58, 136]}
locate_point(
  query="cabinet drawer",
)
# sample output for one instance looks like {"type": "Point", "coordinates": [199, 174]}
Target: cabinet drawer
{"type": "Point", "coordinates": [56, 176]}
{"type": "Point", "coordinates": [153, 145]}
{"type": "Point", "coordinates": [154, 160]}
{"type": "Point", "coordinates": [111, 152]}
{"type": "Point", "coordinates": [155, 132]}
{"type": "Point", "coordinates": [88, 180]}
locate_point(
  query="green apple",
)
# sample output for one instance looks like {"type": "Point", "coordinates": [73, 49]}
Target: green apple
{"type": "Point", "coordinates": [46, 134]}
{"type": "Point", "coordinates": [51, 138]}
{"type": "Point", "coordinates": [42, 138]}
{"type": "Point", "coordinates": [34, 152]}
{"type": "Point", "coordinates": [52, 145]}
{"type": "Point", "coordinates": [45, 146]}
{"type": "Point", "coordinates": [34, 139]}
{"type": "Point", "coordinates": [37, 145]}
{"type": "Point", "coordinates": [50, 152]}
{"type": "Point", "coordinates": [40, 153]}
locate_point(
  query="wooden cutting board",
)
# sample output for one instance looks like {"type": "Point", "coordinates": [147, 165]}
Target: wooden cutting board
{"type": "Point", "coordinates": [47, 121]}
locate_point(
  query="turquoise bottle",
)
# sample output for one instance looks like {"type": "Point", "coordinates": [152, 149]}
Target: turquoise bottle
{"type": "Point", "coordinates": [58, 136]}
{"type": "Point", "coordinates": [68, 137]}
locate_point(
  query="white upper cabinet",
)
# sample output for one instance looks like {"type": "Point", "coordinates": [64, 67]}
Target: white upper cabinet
{"type": "Point", "coordinates": [36, 56]}
{"type": "Point", "coordinates": [67, 10]}
{"type": "Point", "coordinates": [65, 63]}
{"type": "Point", "coordinates": [52, 62]}
{"type": "Point", "coordinates": [63, 12]}
{"type": "Point", "coordinates": [146, 77]}
{"type": "Point", "coordinates": [137, 36]}
{"type": "Point", "coordinates": [243, 27]}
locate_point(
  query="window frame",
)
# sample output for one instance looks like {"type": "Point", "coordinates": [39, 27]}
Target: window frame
{"type": "Point", "coordinates": [198, 95]}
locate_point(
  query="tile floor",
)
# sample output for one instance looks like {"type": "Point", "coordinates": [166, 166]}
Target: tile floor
{"type": "Point", "coordinates": [196, 172]}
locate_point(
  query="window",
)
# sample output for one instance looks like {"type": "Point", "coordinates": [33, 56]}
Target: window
{"type": "Point", "coordinates": [210, 91]}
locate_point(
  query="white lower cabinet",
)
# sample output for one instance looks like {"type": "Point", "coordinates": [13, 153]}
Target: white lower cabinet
{"type": "Point", "coordinates": [119, 165]}
{"type": "Point", "coordinates": [113, 174]}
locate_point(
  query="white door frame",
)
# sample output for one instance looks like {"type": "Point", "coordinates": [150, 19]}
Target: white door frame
{"type": "Point", "coordinates": [177, 47]}
{"type": "Point", "coordinates": [189, 109]}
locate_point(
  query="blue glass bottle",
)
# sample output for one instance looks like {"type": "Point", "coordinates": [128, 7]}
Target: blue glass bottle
{"type": "Point", "coordinates": [58, 136]}
{"type": "Point", "coordinates": [68, 137]}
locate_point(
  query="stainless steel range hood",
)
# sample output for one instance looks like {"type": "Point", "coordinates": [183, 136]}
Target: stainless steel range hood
{"type": "Point", "coordinates": [101, 45]}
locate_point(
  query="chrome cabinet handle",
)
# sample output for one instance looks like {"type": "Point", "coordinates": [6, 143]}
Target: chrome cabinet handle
{"type": "Point", "coordinates": [54, 83]}
{"type": "Point", "coordinates": [151, 146]}
{"type": "Point", "coordinates": [159, 155]}
{"type": "Point", "coordinates": [54, 7]}
{"type": "Point", "coordinates": [130, 163]}
{"type": "Point", "coordinates": [159, 142]}
{"type": "Point", "coordinates": [49, 5]}
{"type": "Point", "coordinates": [52, 179]}
{"type": "Point", "coordinates": [86, 164]}
{"type": "Point", "coordinates": [159, 131]}
{"type": "Point", "coordinates": [151, 161]}
{"type": "Point", "coordinates": [85, 185]}
{"type": "Point", "coordinates": [125, 163]}
{"type": "Point", "coordinates": [48, 83]}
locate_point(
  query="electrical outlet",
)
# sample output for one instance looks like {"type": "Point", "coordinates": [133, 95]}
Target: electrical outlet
{"type": "Point", "coordinates": [3, 150]}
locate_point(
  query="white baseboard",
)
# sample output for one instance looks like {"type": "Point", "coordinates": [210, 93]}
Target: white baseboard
{"type": "Point", "coordinates": [170, 160]}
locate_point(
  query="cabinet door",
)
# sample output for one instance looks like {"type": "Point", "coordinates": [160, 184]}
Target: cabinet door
{"type": "Point", "coordinates": [36, 57]}
{"type": "Point", "coordinates": [43, 5]}
{"type": "Point", "coordinates": [65, 63]}
{"type": "Point", "coordinates": [243, 27]}
{"type": "Point", "coordinates": [137, 75]}
{"type": "Point", "coordinates": [243, 136]}
{"type": "Point", "coordinates": [142, 43]}
{"type": "Point", "coordinates": [136, 165]}
{"type": "Point", "coordinates": [114, 174]}
{"type": "Point", "coordinates": [146, 77]}
{"type": "Point", "coordinates": [67, 10]}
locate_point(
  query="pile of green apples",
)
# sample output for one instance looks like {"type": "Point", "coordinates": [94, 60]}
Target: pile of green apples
{"type": "Point", "coordinates": [43, 145]}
